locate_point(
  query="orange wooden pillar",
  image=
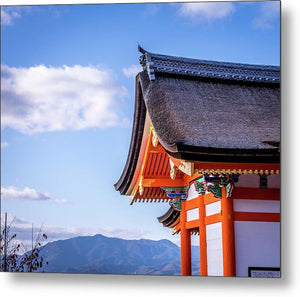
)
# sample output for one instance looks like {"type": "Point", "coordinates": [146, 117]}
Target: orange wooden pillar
{"type": "Point", "coordinates": [228, 235]}
{"type": "Point", "coordinates": [202, 237]}
{"type": "Point", "coordinates": [185, 242]}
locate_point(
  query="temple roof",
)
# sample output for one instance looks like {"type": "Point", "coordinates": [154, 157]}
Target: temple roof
{"type": "Point", "coordinates": [206, 111]}
{"type": "Point", "coordinates": [156, 64]}
{"type": "Point", "coordinates": [170, 218]}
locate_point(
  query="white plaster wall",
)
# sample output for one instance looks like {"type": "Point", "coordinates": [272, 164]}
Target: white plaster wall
{"type": "Point", "coordinates": [192, 193]}
{"type": "Point", "coordinates": [214, 249]}
{"type": "Point", "coordinates": [256, 244]}
{"type": "Point", "coordinates": [248, 181]}
{"type": "Point", "coordinates": [247, 205]}
{"type": "Point", "coordinates": [213, 208]}
{"type": "Point", "coordinates": [192, 214]}
{"type": "Point", "coordinates": [274, 181]}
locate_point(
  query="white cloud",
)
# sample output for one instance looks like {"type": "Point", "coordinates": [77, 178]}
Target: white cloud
{"type": "Point", "coordinates": [269, 11]}
{"type": "Point", "coordinates": [61, 201]}
{"type": "Point", "coordinates": [40, 98]}
{"type": "Point", "coordinates": [23, 228]}
{"type": "Point", "coordinates": [4, 144]}
{"type": "Point", "coordinates": [132, 70]}
{"type": "Point", "coordinates": [206, 11]}
{"type": "Point", "coordinates": [29, 194]}
{"type": "Point", "coordinates": [8, 14]}
{"type": "Point", "coordinates": [23, 194]}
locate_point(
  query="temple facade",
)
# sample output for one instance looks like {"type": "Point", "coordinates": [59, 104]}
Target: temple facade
{"type": "Point", "coordinates": [206, 139]}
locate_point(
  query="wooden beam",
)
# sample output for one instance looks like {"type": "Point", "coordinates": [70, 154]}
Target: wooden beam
{"type": "Point", "coordinates": [157, 150]}
{"type": "Point", "coordinates": [193, 203]}
{"type": "Point", "coordinates": [257, 217]}
{"type": "Point", "coordinates": [212, 219]}
{"type": "Point", "coordinates": [192, 224]}
{"type": "Point", "coordinates": [202, 236]}
{"type": "Point", "coordinates": [162, 182]}
{"type": "Point", "coordinates": [256, 193]}
{"type": "Point", "coordinates": [228, 235]}
{"type": "Point", "coordinates": [185, 245]}
{"type": "Point", "coordinates": [209, 198]}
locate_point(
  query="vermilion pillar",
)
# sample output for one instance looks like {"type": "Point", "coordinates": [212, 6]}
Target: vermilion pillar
{"type": "Point", "coordinates": [185, 241]}
{"type": "Point", "coordinates": [202, 237]}
{"type": "Point", "coordinates": [228, 235]}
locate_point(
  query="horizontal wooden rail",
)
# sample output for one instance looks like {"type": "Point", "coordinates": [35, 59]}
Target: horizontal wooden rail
{"type": "Point", "coordinates": [257, 216]}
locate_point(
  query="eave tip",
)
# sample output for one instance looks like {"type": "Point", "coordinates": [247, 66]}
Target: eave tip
{"type": "Point", "coordinates": [141, 50]}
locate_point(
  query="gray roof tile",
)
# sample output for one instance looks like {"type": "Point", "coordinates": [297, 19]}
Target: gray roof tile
{"type": "Point", "coordinates": [156, 64]}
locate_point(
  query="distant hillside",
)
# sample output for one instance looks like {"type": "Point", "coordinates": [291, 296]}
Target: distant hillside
{"type": "Point", "coordinates": [101, 254]}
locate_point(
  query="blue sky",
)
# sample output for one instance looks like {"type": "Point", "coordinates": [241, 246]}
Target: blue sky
{"type": "Point", "coordinates": [67, 101]}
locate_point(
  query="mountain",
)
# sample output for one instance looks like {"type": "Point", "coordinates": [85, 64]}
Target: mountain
{"type": "Point", "coordinates": [101, 254]}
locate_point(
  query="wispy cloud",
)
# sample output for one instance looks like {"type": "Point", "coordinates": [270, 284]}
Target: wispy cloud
{"type": "Point", "coordinates": [23, 194]}
{"type": "Point", "coordinates": [28, 194]}
{"type": "Point", "coordinates": [8, 15]}
{"type": "Point", "coordinates": [206, 11]}
{"type": "Point", "coordinates": [269, 12]}
{"type": "Point", "coordinates": [60, 201]}
{"type": "Point", "coordinates": [151, 9]}
{"type": "Point", "coordinates": [23, 228]}
{"type": "Point", "coordinates": [132, 70]}
{"type": "Point", "coordinates": [4, 144]}
{"type": "Point", "coordinates": [40, 98]}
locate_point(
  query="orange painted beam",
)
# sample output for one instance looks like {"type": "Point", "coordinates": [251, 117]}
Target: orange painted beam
{"type": "Point", "coordinates": [257, 217]}
{"type": "Point", "coordinates": [192, 224]}
{"type": "Point", "coordinates": [185, 244]}
{"type": "Point", "coordinates": [190, 204]}
{"type": "Point", "coordinates": [189, 179]}
{"type": "Point", "coordinates": [162, 182]}
{"type": "Point", "coordinates": [209, 198]}
{"type": "Point", "coordinates": [215, 218]}
{"type": "Point", "coordinates": [202, 236]}
{"type": "Point", "coordinates": [158, 149]}
{"type": "Point", "coordinates": [256, 193]}
{"type": "Point", "coordinates": [228, 235]}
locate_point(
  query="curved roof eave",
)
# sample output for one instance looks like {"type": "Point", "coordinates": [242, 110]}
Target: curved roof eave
{"type": "Point", "coordinates": [136, 138]}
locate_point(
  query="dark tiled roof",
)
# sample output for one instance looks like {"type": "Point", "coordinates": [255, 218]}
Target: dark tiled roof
{"type": "Point", "coordinates": [169, 218]}
{"type": "Point", "coordinates": [156, 64]}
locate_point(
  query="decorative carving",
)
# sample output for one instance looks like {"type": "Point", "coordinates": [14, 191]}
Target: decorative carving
{"type": "Point", "coordinates": [200, 186]}
{"type": "Point", "coordinates": [175, 204]}
{"type": "Point", "coordinates": [177, 194]}
{"type": "Point", "coordinates": [237, 171]}
{"type": "Point", "coordinates": [173, 170]}
{"type": "Point", "coordinates": [154, 138]}
{"type": "Point", "coordinates": [141, 187]}
{"type": "Point", "coordinates": [229, 189]}
{"type": "Point", "coordinates": [215, 189]}
{"type": "Point", "coordinates": [215, 183]}
{"type": "Point", "coordinates": [184, 166]}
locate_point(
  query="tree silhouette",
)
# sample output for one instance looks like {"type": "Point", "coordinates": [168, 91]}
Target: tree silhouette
{"type": "Point", "coordinates": [13, 255]}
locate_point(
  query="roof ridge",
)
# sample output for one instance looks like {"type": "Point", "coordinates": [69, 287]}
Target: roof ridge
{"type": "Point", "coordinates": [164, 64]}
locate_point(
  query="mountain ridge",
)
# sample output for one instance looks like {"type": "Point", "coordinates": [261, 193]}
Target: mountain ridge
{"type": "Point", "coordinates": [112, 255]}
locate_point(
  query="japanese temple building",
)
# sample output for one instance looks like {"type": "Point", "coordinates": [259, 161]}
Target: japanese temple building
{"type": "Point", "coordinates": [206, 139]}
